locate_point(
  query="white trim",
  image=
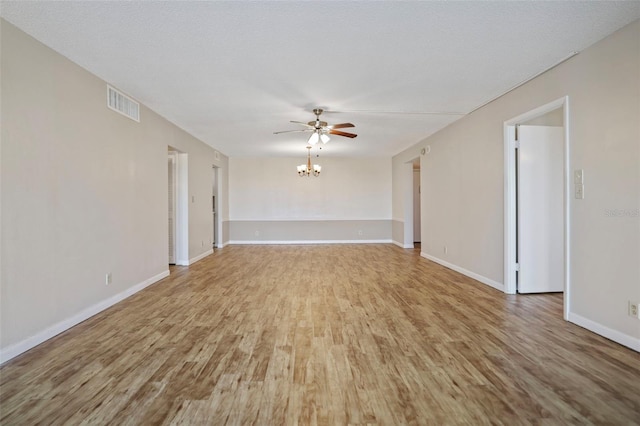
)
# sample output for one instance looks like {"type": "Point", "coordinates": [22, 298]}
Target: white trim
{"type": "Point", "coordinates": [404, 246]}
{"type": "Point", "coordinates": [17, 348]}
{"type": "Point", "coordinates": [568, 180]}
{"type": "Point", "coordinates": [407, 202]}
{"type": "Point", "coordinates": [611, 334]}
{"type": "Point", "coordinates": [293, 242]}
{"type": "Point", "coordinates": [200, 256]}
{"type": "Point", "coordinates": [172, 207]}
{"type": "Point", "coordinates": [509, 210]}
{"type": "Point", "coordinates": [182, 209]}
{"type": "Point", "coordinates": [509, 197]}
{"type": "Point", "coordinates": [477, 277]}
{"type": "Point", "coordinates": [217, 217]}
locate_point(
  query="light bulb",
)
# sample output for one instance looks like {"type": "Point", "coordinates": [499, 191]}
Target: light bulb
{"type": "Point", "coordinates": [324, 138]}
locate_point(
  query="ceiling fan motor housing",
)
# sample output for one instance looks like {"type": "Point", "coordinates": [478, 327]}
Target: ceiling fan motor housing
{"type": "Point", "coordinates": [318, 124]}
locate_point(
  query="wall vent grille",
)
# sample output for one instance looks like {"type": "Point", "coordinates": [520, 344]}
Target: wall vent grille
{"type": "Point", "coordinates": [119, 102]}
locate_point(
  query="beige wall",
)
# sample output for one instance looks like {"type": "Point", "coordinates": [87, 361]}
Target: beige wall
{"type": "Point", "coordinates": [462, 181]}
{"type": "Point", "coordinates": [351, 200]}
{"type": "Point", "coordinates": [311, 231]}
{"type": "Point", "coordinates": [84, 193]}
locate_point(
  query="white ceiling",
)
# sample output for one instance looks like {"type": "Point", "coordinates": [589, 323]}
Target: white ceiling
{"type": "Point", "coordinates": [232, 73]}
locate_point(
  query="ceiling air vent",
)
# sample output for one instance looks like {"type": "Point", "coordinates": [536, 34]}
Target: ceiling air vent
{"type": "Point", "coordinates": [119, 102]}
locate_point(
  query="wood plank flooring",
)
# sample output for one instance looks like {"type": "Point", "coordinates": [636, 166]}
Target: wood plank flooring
{"type": "Point", "coordinates": [329, 335]}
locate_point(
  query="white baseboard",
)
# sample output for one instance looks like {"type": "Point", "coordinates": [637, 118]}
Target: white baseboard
{"type": "Point", "coordinates": [477, 277]}
{"type": "Point", "coordinates": [16, 349]}
{"type": "Point", "coordinates": [200, 257]}
{"type": "Point", "coordinates": [611, 334]}
{"type": "Point", "coordinates": [182, 262]}
{"type": "Point", "coordinates": [404, 246]}
{"type": "Point", "coordinates": [311, 242]}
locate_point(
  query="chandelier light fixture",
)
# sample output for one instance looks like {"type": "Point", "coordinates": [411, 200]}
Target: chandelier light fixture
{"type": "Point", "coordinates": [308, 169]}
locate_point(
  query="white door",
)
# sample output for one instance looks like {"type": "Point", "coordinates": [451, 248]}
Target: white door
{"type": "Point", "coordinates": [540, 209]}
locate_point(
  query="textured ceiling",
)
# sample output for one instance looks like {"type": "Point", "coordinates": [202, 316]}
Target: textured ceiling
{"type": "Point", "coordinates": [232, 73]}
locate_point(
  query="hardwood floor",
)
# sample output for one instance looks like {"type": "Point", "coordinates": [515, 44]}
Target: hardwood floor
{"type": "Point", "coordinates": [330, 334]}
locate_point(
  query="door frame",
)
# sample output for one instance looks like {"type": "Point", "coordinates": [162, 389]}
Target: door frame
{"type": "Point", "coordinates": [182, 208]}
{"type": "Point", "coordinates": [172, 206]}
{"type": "Point", "coordinates": [407, 178]}
{"type": "Point", "coordinates": [217, 226]}
{"type": "Point", "coordinates": [510, 183]}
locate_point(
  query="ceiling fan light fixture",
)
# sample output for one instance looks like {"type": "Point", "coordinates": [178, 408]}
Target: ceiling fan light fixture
{"type": "Point", "coordinates": [314, 138]}
{"type": "Point", "coordinates": [320, 130]}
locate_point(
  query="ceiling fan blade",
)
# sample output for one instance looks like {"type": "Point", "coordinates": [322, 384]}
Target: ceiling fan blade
{"type": "Point", "coordinates": [300, 122]}
{"type": "Point", "coordinates": [341, 126]}
{"type": "Point", "coordinates": [345, 134]}
{"type": "Point", "coordinates": [291, 131]}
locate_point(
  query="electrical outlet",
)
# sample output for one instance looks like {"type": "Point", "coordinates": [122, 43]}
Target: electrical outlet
{"type": "Point", "coordinates": [257, 233]}
{"type": "Point", "coordinates": [107, 278]}
{"type": "Point", "coordinates": [360, 232]}
{"type": "Point", "coordinates": [633, 309]}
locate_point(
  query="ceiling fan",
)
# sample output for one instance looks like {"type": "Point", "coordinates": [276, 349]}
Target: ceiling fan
{"type": "Point", "coordinates": [321, 129]}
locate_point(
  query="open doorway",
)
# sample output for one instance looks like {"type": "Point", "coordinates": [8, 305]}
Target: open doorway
{"type": "Point", "coordinates": [171, 172]}
{"type": "Point", "coordinates": [537, 201]}
{"type": "Point", "coordinates": [417, 217]}
{"type": "Point", "coordinates": [411, 202]}
{"type": "Point", "coordinates": [215, 207]}
{"type": "Point", "coordinates": [178, 207]}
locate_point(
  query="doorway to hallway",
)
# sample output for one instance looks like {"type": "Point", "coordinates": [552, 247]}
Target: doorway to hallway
{"type": "Point", "coordinates": [537, 201]}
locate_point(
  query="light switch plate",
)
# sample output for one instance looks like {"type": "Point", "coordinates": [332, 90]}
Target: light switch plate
{"type": "Point", "coordinates": [579, 192]}
{"type": "Point", "coordinates": [578, 176]}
